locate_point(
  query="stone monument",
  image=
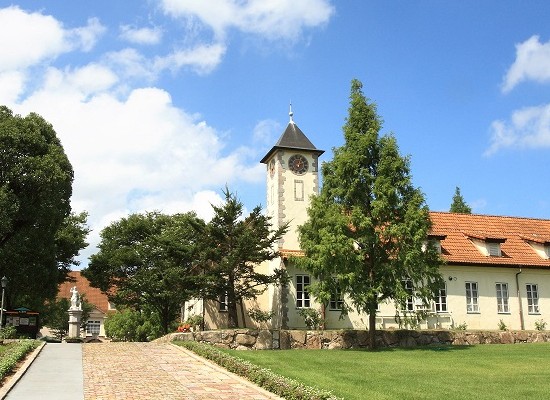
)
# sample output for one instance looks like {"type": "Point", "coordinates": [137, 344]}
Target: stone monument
{"type": "Point", "coordinates": [75, 313]}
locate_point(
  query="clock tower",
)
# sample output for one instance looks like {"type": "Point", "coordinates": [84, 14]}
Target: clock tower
{"type": "Point", "coordinates": [292, 177]}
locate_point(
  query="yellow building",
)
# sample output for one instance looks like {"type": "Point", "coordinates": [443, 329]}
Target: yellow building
{"type": "Point", "coordinates": [496, 271]}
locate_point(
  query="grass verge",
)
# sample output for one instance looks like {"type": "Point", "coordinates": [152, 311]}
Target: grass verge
{"type": "Point", "coordinates": [483, 372]}
{"type": "Point", "coordinates": [279, 385]}
{"type": "Point", "coordinates": [12, 353]}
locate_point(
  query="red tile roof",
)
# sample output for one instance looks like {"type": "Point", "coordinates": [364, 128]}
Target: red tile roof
{"type": "Point", "coordinates": [93, 295]}
{"type": "Point", "coordinates": [513, 233]}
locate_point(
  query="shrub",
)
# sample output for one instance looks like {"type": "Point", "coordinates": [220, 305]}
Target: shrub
{"type": "Point", "coordinates": [8, 332]}
{"type": "Point", "coordinates": [312, 318]}
{"type": "Point", "coordinates": [540, 325]}
{"type": "Point", "coordinates": [260, 316]}
{"type": "Point", "coordinates": [502, 326]}
{"type": "Point", "coordinates": [281, 386]}
{"type": "Point", "coordinates": [16, 352]}
{"type": "Point", "coordinates": [461, 327]}
{"type": "Point", "coordinates": [131, 326]}
{"type": "Point", "coordinates": [194, 321]}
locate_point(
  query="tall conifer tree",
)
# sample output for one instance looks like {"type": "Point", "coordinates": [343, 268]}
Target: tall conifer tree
{"type": "Point", "coordinates": [367, 230]}
{"type": "Point", "coordinates": [459, 205]}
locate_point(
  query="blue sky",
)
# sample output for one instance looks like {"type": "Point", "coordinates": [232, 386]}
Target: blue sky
{"type": "Point", "coordinates": [160, 104]}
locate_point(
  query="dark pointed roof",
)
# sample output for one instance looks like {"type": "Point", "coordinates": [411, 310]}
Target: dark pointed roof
{"type": "Point", "coordinates": [292, 138]}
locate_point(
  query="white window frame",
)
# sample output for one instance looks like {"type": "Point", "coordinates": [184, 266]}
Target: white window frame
{"type": "Point", "coordinates": [336, 302]}
{"type": "Point", "coordinates": [503, 303]}
{"type": "Point", "coordinates": [410, 303]}
{"type": "Point", "coordinates": [93, 327]}
{"type": "Point", "coordinates": [223, 303]}
{"type": "Point", "coordinates": [532, 298]}
{"type": "Point", "coordinates": [303, 299]}
{"type": "Point", "coordinates": [472, 297]}
{"type": "Point", "coordinates": [441, 301]}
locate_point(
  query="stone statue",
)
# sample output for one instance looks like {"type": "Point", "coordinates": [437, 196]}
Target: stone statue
{"type": "Point", "coordinates": [75, 313]}
{"type": "Point", "coordinates": [75, 300]}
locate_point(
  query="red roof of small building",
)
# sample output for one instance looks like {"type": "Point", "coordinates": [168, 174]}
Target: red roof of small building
{"type": "Point", "coordinates": [93, 295]}
{"type": "Point", "coordinates": [513, 233]}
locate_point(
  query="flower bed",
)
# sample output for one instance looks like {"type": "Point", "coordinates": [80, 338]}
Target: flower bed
{"type": "Point", "coordinates": [265, 378]}
{"type": "Point", "coordinates": [16, 352]}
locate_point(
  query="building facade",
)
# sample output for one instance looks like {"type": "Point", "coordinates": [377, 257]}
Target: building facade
{"type": "Point", "coordinates": [496, 269]}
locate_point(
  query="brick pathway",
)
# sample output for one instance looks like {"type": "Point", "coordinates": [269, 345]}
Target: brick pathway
{"type": "Point", "coordinates": [149, 371]}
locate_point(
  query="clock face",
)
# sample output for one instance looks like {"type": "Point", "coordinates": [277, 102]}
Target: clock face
{"type": "Point", "coordinates": [271, 167]}
{"type": "Point", "coordinates": [298, 164]}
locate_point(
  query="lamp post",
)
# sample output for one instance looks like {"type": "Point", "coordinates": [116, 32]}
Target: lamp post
{"type": "Point", "coordinates": [4, 282]}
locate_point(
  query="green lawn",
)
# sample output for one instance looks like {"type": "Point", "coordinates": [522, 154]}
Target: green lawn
{"type": "Point", "coordinates": [474, 372]}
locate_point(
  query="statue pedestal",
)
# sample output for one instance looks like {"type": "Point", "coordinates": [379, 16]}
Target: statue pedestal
{"type": "Point", "coordinates": [74, 322]}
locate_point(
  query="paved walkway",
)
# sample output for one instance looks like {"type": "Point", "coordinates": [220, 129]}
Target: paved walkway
{"type": "Point", "coordinates": [129, 371]}
{"type": "Point", "coordinates": [55, 374]}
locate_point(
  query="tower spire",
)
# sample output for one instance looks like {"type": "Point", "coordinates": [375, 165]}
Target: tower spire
{"type": "Point", "coordinates": [290, 113]}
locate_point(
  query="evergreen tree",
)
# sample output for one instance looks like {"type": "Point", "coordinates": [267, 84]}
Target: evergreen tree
{"type": "Point", "coordinates": [459, 205]}
{"type": "Point", "coordinates": [233, 248]}
{"type": "Point", "coordinates": [367, 230]}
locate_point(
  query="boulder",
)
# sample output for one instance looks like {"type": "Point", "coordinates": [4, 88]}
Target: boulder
{"type": "Point", "coordinates": [506, 338]}
{"type": "Point", "coordinates": [264, 340]}
{"type": "Point", "coordinates": [245, 339]}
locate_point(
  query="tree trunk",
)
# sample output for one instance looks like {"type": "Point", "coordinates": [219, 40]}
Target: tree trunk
{"type": "Point", "coordinates": [372, 305]}
{"type": "Point", "coordinates": [232, 316]}
{"type": "Point", "coordinates": [232, 319]}
{"type": "Point", "coordinates": [372, 328]}
{"type": "Point", "coordinates": [165, 318]}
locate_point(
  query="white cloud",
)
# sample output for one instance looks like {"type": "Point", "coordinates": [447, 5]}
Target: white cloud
{"type": "Point", "coordinates": [86, 37]}
{"type": "Point", "coordinates": [26, 39]}
{"type": "Point", "coordinates": [202, 59]}
{"type": "Point", "coordinates": [265, 132]}
{"type": "Point", "coordinates": [130, 64]}
{"type": "Point", "coordinates": [11, 84]}
{"type": "Point", "coordinates": [131, 148]}
{"type": "Point", "coordinates": [134, 153]}
{"type": "Point", "coordinates": [271, 19]}
{"type": "Point", "coordinates": [30, 38]}
{"type": "Point", "coordinates": [528, 128]}
{"type": "Point", "coordinates": [532, 63]}
{"type": "Point", "coordinates": [141, 35]}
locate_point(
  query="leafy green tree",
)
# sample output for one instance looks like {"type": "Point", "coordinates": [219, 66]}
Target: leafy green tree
{"type": "Point", "coordinates": [39, 238]}
{"type": "Point", "coordinates": [132, 326]}
{"type": "Point", "coordinates": [148, 261]}
{"type": "Point", "coordinates": [459, 205]}
{"type": "Point", "coordinates": [232, 248]}
{"type": "Point", "coordinates": [367, 230]}
{"type": "Point", "coordinates": [56, 316]}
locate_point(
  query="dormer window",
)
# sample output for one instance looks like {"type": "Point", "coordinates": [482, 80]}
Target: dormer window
{"type": "Point", "coordinates": [435, 241]}
{"type": "Point", "coordinates": [541, 245]}
{"type": "Point", "coordinates": [493, 248]}
{"type": "Point", "coordinates": [487, 245]}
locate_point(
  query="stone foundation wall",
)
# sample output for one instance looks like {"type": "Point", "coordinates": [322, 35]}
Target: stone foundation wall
{"type": "Point", "coordinates": [251, 339]}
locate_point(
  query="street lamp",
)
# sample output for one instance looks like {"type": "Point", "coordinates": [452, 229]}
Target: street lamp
{"type": "Point", "coordinates": [4, 282]}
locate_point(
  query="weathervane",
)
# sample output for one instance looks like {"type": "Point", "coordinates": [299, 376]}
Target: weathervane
{"type": "Point", "coordinates": [290, 113]}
